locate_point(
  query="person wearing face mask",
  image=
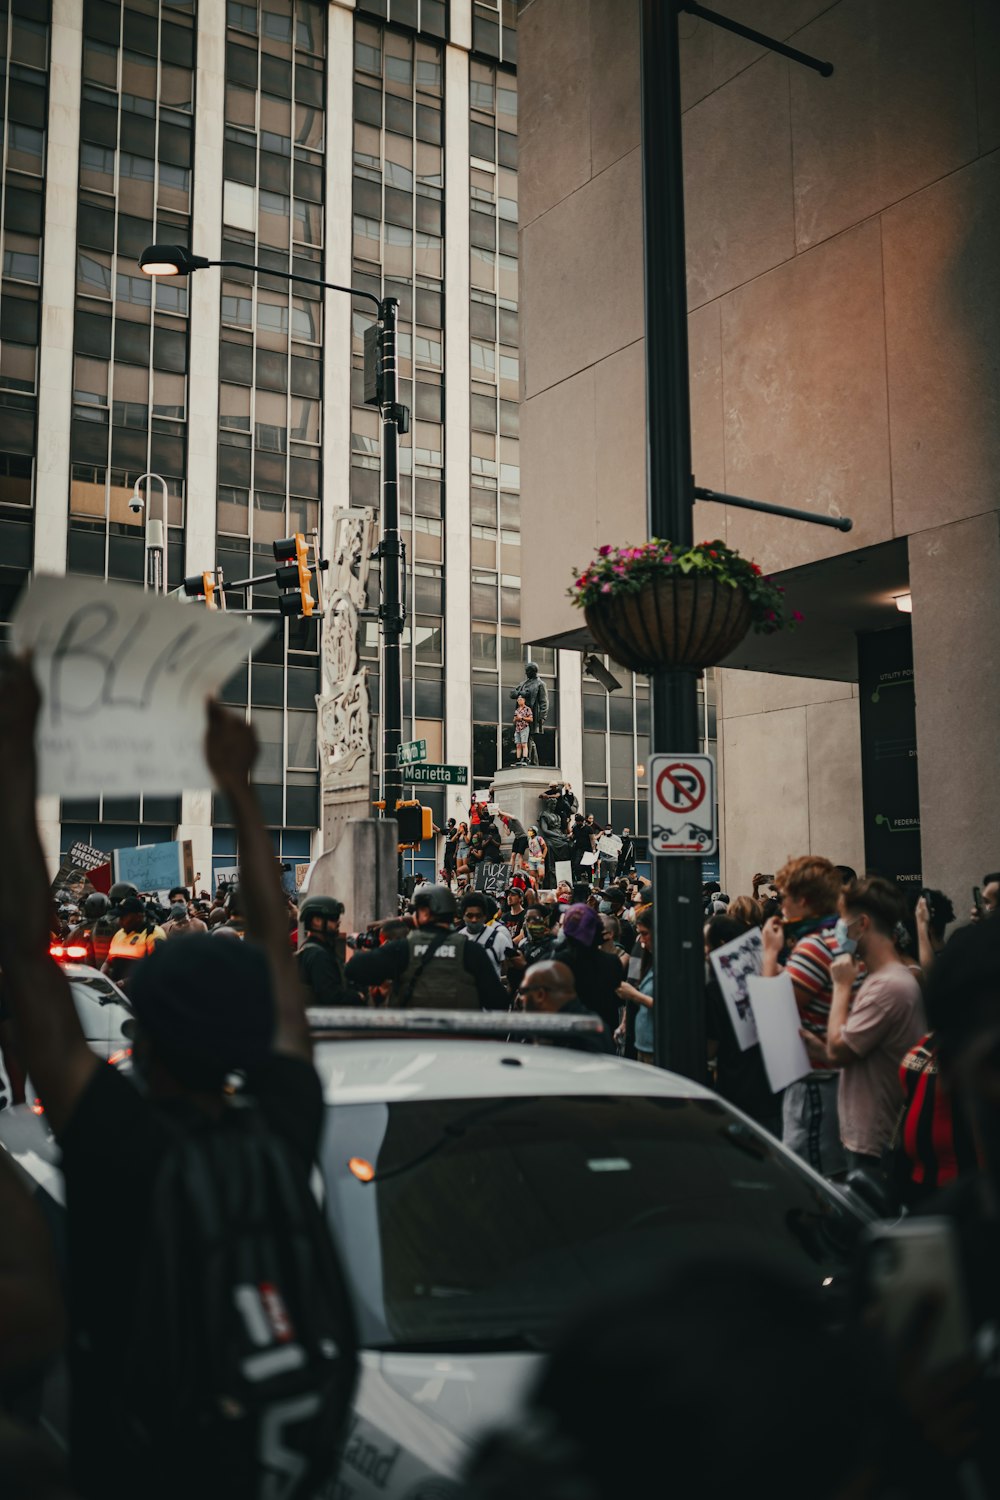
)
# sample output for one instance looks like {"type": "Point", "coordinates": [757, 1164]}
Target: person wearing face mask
{"type": "Point", "coordinates": [478, 911]}
{"type": "Point", "coordinates": [868, 1040]}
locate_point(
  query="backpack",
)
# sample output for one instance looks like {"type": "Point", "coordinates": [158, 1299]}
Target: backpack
{"type": "Point", "coordinates": [243, 1353]}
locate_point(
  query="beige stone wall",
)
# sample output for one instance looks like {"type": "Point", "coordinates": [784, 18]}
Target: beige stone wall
{"type": "Point", "coordinates": [789, 755]}
{"type": "Point", "coordinates": [843, 237]}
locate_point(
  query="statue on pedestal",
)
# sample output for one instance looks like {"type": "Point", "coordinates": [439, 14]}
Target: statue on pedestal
{"type": "Point", "coordinates": [534, 693]}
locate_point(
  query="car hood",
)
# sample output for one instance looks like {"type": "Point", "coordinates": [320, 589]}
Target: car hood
{"type": "Point", "coordinates": [417, 1417]}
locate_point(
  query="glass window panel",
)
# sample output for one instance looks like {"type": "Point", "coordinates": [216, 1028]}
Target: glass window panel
{"type": "Point", "coordinates": [305, 420]}
{"type": "Point", "coordinates": [268, 726]}
{"type": "Point", "coordinates": [233, 512]}
{"type": "Point", "coordinates": [238, 205]}
{"type": "Point", "coordinates": [268, 517]}
{"type": "Point", "coordinates": [93, 274]}
{"type": "Point", "coordinates": [302, 740]}
{"type": "Point", "coordinates": [17, 366]}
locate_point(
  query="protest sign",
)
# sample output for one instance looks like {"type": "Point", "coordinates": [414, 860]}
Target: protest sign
{"type": "Point", "coordinates": [153, 867]}
{"type": "Point", "coordinates": [86, 857]}
{"type": "Point", "coordinates": [564, 871]}
{"type": "Point", "coordinates": [777, 1018]}
{"type": "Point", "coordinates": [124, 676]}
{"type": "Point", "coordinates": [734, 963]}
{"type": "Point", "coordinates": [492, 879]}
{"type": "Point", "coordinates": [225, 877]}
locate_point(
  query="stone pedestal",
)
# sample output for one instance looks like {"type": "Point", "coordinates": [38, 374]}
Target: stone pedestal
{"type": "Point", "coordinates": [517, 791]}
{"type": "Point", "coordinates": [361, 871]}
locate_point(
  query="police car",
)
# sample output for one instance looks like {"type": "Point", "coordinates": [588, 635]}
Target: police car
{"type": "Point", "coordinates": [481, 1188]}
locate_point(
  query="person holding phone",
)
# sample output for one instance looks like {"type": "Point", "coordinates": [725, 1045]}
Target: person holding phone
{"type": "Point", "coordinates": [986, 898]}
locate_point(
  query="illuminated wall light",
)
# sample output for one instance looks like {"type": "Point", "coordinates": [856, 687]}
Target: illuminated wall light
{"type": "Point", "coordinates": [904, 603]}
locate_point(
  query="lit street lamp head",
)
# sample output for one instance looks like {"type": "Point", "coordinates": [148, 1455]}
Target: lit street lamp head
{"type": "Point", "coordinates": [170, 260]}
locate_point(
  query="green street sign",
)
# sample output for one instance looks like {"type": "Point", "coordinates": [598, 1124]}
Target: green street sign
{"type": "Point", "coordinates": [441, 775]}
{"type": "Point", "coordinates": [412, 751]}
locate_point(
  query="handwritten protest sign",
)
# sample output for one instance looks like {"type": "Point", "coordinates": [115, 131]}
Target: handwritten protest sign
{"type": "Point", "coordinates": [734, 964]}
{"type": "Point", "coordinates": [124, 676]}
{"type": "Point", "coordinates": [493, 879]}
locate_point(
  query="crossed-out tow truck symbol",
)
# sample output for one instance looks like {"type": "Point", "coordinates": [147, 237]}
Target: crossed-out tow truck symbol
{"type": "Point", "coordinates": [679, 788]}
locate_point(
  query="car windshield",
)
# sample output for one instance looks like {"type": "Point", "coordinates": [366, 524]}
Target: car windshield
{"type": "Point", "coordinates": [488, 1220]}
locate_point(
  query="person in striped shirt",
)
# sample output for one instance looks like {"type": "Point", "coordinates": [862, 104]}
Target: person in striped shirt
{"type": "Point", "coordinates": [802, 945]}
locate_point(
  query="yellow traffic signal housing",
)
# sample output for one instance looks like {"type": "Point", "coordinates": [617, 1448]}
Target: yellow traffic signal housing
{"type": "Point", "coordinates": [416, 823]}
{"type": "Point", "coordinates": [305, 573]}
{"type": "Point", "coordinates": [208, 589]}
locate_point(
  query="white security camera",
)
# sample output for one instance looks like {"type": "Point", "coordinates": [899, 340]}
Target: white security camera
{"type": "Point", "coordinates": [136, 504]}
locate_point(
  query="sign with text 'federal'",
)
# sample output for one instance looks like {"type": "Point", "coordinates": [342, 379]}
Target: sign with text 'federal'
{"type": "Point", "coordinates": [124, 676]}
{"type": "Point", "coordinates": [411, 751]}
{"type": "Point", "coordinates": [682, 811]}
{"type": "Point", "coordinates": [439, 775]}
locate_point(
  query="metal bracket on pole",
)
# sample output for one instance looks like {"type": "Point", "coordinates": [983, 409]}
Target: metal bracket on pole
{"type": "Point", "coordinates": [817, 64]}
{"type": "Point", "coordinates": [839, 523]}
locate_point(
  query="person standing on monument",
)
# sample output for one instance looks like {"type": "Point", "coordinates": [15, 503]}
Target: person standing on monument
{"type": "Point", "coordinates": [536, 697]}
{"type": "Point", "coordinates": [522, 729]}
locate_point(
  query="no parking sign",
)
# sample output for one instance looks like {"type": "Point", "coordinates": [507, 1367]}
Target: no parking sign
{"type": "Point", "coordinates": [682, 811]}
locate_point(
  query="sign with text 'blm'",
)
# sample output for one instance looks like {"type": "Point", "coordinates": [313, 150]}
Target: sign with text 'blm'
{"type": "Point", "coordinates": [124, 676]}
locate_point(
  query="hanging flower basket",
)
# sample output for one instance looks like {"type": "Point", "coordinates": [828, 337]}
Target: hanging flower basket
{"type": "Point", "coordinates": [652, 607]}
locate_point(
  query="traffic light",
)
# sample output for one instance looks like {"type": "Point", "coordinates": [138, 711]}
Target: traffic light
{"type": "Point", "coordinates": [202, 586]}
{"type": "Point", "coordinates": [295, 576]}
{"type": "Point", "coordinates": [416, 823]}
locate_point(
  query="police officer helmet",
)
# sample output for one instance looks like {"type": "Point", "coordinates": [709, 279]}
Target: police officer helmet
{"type": "Point", "coordinates": [327, 907]}
{"type": "Point", "coordinates": [439, 901]}
{"type": "Point", "coordinates": [120, 890]}
{"type": "Point", "coordinates": [95, 905]}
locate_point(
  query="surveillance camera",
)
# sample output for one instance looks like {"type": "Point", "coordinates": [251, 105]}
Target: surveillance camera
{"type": "Point", "coordinates": [595, 668]}
{"type": "Point", "coordinates": [136, 504]}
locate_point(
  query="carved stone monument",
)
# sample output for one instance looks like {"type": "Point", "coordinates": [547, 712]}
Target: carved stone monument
{"type": "Point", "coordinates": [342, 706]}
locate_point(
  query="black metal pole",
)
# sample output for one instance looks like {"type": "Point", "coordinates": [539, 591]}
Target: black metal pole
{"type": "Point", "coordinates": [391, 553]}
{"type": "Point", "coordinates": [825, 69]}
{"type": "Point", "coordinates": [678, 962]}
{"type": "Point", "coordinates": [839, 523]}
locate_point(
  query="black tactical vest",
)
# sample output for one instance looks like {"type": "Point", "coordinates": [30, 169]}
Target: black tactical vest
{"type": "Point", "coordinates": [442, 982]}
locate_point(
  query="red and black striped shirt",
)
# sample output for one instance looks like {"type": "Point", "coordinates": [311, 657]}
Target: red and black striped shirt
{"type": "Point", "coordinates": [935, 1136]}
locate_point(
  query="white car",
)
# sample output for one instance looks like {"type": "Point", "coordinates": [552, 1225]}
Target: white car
{"type": "Point", "coordinates": [480, 1189]}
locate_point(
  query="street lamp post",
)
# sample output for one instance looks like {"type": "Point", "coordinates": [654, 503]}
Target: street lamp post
{"type": "Point", "coordinates": [154, 572]}
{"type": "Point", "coordinates": [176, 260]}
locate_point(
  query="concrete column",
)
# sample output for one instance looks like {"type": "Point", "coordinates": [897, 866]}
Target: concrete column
{"type": "Point", "coordinates": [204, 294]}
{"type": "Point", "coordinates": [55, 383]}
{"type": "Point", "coordinates": [461, 24]}
{"type": "Point", "coordinates": [571, 720]}
{"type": "Point", "coordinates": [204, 314]}
{"type": "Point", "coordinates": [458, 555]}
{"type": "Point", "coordinates": [338, 268]}
{"type": "Point", "coordinates": [955, 583]}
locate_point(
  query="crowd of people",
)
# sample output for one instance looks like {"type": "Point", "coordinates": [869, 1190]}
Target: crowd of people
{"type": "Point", "coordinates": [901, 1021]}
{"type": "Point", "coordinates": [563, 835]}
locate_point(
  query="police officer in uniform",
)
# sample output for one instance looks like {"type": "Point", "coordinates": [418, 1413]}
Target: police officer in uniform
{"type": "Point", "coordinates": [106, 922]}
{"type": "Point", "coordinates": [435, 968]}
{"type": "Point", "coordinates": [320, 957]}
{"type": "Point", "coordinates": [95, 908]}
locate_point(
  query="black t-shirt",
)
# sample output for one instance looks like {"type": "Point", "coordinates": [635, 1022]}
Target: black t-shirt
{"type": "Point", "coordinates": [740, 1076]}
{"type": "Point", "coordinates": [597, 977]}
{"type": "Point", "coordinates": [602, 1043]}
{"type": "Point", "coordinates": [112, 1147]}
{"type": "Point", "coordinates": [322, 972]}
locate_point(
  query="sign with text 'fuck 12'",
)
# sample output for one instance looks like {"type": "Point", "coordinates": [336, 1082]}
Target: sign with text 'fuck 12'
{"type": "Point", "coordinates": [124, 676]}
{"type": "Point", "coordinates": [682, 810]}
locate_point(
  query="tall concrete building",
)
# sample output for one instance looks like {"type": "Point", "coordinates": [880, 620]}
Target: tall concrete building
{"type": "Point", "coordinates": [371, 144]}
{"type": "Point", "coordinates": [842, 245]}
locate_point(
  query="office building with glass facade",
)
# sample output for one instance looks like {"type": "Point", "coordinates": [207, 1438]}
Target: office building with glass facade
{"type": "Point", "coordinates": [373, 145]}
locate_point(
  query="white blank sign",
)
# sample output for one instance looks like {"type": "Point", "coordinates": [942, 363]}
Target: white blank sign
{"type": "Point", "coordinates": [777, 1018]}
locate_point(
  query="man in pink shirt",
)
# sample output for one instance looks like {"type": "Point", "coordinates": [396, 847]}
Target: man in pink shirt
{"type": "Point", "coordinates": [867, 1040]}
